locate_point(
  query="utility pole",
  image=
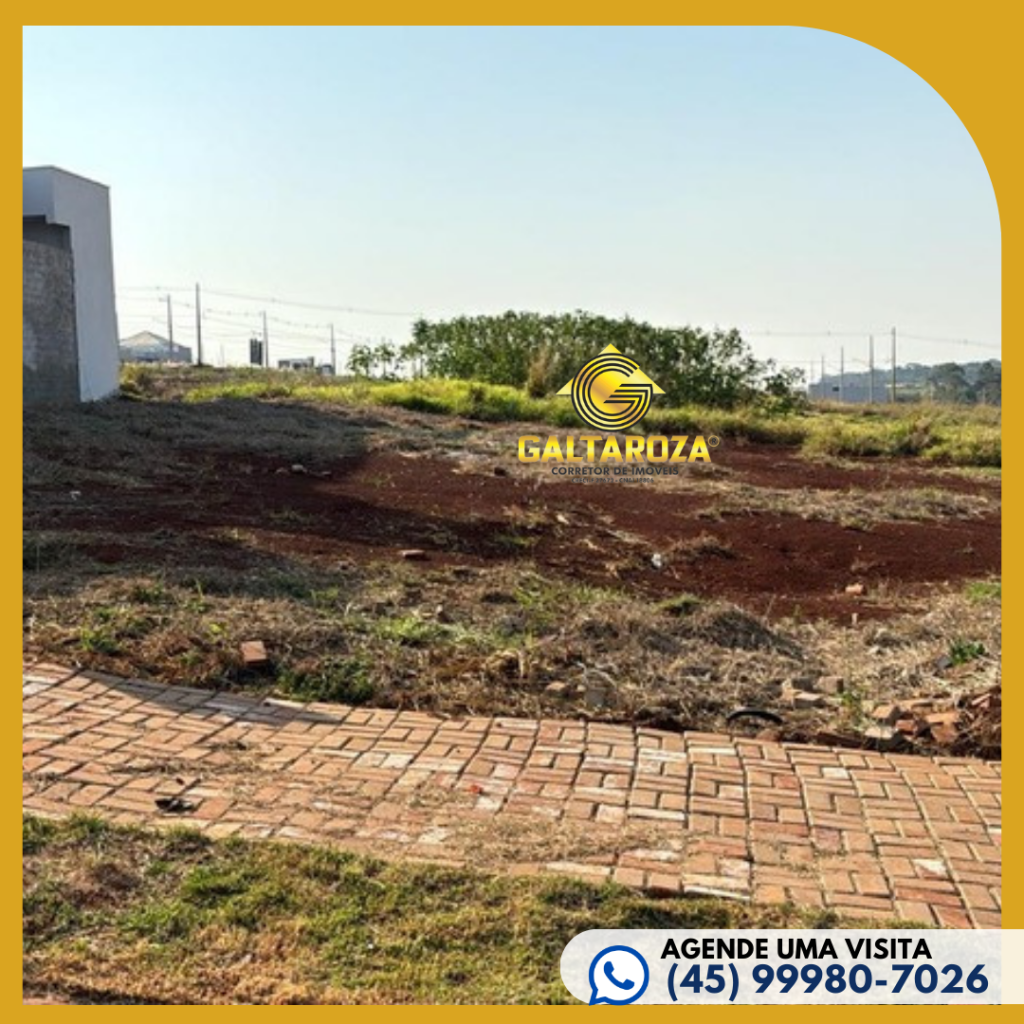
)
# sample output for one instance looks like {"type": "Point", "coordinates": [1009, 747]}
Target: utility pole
{"type": "Point", "coordinates": [810, 377]}
{"type": "Point", "coordinates": [266, 342]}
{"type": "Point", "coordinates": [170, 330]}
{"type": "Point", "coordinates": [334, 356]}
{"type": "Point", "coordinates": [871, 369]}
{"type": "Point", "coordinates": [199, 328]}
{"type": "Point", "coordinates": [821, 379]}
{"type": "Point", "coordinates": [842, 375]}
{"type": "Point", "coordinates": [893, 366]}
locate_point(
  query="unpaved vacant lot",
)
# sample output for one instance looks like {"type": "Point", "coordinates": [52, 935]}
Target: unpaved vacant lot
{"type": "Point", "coordinates": [159, 535]}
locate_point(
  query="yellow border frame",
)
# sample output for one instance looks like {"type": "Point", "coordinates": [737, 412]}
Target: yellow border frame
{"type": "Point", "coordinates": [969, 56]}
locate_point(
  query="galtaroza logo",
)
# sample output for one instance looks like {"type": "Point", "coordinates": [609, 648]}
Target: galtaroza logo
{"type": "Point", "coordinates": [612, 393]}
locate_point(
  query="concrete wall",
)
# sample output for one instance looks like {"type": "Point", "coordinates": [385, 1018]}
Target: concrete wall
{"type": "Point", "coordinates": [84, 207]}
{"type": "Point", "coordinates": [49, 346]}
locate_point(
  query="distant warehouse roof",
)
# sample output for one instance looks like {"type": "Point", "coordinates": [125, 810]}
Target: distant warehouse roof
{"type": "Point", "coordinates": [147, 347]}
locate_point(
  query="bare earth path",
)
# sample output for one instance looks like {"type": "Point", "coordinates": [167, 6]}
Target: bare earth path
{"type": "Point", "coordinates": [867, 834]}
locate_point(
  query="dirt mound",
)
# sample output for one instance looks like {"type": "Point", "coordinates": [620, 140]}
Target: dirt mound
{"type": "Point", "coordinates": [735, 629]}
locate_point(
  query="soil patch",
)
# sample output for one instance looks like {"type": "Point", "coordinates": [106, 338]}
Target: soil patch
{"type": "Point", "coordinates": [642, 537]}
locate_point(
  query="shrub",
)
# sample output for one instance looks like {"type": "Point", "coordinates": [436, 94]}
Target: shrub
{"type": "Point", "coordinates": [540, 353]}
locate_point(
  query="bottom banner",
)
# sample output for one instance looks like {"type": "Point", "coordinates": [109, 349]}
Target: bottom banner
{"type": "Point", "coordinates": [621, 967]}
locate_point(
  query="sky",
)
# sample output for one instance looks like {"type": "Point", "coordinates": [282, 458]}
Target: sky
{"type": "Point", "coordinates": [799, 185]}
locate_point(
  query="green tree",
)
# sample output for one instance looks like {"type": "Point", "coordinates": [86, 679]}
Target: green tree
{"type": "Point", "coordinates": [360, 360]}
{"type": "Point", "coordinates": [384, 355]}
{"type": "Point", "coordinates": [408, 355]}
{"type": "Point", "coordinates": [988, 383]}
{"type": "Point", "coordinates": [948, 383]}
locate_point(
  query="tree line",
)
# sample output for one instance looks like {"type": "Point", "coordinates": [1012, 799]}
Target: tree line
{"type": "Point", "coordinates": [977, 383]}
{"type": "Point", "coordinates": [541, 353]}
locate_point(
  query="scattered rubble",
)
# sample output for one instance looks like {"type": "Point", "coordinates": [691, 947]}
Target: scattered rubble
{"type": "Point", "coordinates": [886, 714]}
{"type": "Point", "coordinates": [833, 686]}
{"type": "Point", "coordinates": [254, 653]}
{"type": "Point", "coordinates": [834, 738]}
{"type": "Point", "coordinates": [804, 683]}
{"type": "Point", "coordinates": [971, 722]}
{"type": "Point", "coordinates": [804, 694]}
{"type": "Point", "coordinates": [884, 737]}
{"type": "Point", "coordinates": [804, 701]}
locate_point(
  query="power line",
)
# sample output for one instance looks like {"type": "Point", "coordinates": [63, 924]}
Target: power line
{"type": "Point", "coordinates": [162, 290]}
{"type": "Point", "coordinates": [244, 320]}
{"type": "Point", "coordinates": [953, 341]}
{"type": "Point", "coordinates": [275, 300]}
{"type": "Point", "coordinates": [802, 334]}
{"type": "Point", "coordinates": [356, 310]}
{"type": "Point", "coordinates": [862, 334]}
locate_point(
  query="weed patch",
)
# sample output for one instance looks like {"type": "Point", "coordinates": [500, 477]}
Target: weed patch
{"type": "Point", "coordinates": [962, 651]}
{"type": "Point", "coordinates": [342, 680]}
{"type": "Point", "coordinates": [985, 590]}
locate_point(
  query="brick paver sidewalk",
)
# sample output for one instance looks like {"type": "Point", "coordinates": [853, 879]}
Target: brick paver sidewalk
{"type": "Point", "coordinates": [865, 833]}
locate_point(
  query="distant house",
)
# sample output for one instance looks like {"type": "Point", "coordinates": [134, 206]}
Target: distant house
{"type": "Point", "coordinates": [305, 363]}
{"type": "Point", "coordinates": [147, 347]}
{"type": "Point", "coordinates": [69, 325]}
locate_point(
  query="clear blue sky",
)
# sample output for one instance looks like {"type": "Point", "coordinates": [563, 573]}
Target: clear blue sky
{"type": "Point", "coordinates": [773, 179]}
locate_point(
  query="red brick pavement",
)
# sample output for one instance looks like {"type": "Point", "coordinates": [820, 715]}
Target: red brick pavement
{"type": "Point", "coordinates": [868, 834]}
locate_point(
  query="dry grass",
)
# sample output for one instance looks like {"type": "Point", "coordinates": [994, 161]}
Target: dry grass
{"type": "Point", "coordinates": [855, 508]}
{"type": "Point", "coordinates": [694, 549]}
{"type": "Point", "coordinates": [491, 642]}
{"type": "Point", "coordinates": [123, 915]}
{"type": "Point", "coordinates": [175, 606]}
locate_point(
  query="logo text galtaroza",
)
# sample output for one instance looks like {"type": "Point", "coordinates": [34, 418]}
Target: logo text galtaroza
{"type": "Point", "coordinates": [612, 393]}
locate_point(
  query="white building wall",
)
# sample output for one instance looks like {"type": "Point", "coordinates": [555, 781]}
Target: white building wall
{"type": "Point", "coordinates": [84, 206]}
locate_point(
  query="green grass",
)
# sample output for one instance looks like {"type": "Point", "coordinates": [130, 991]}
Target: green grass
{"type": "Point", "coordinates": [113, 628]}
{"type": "Point", "coordinates": [414, 631]}
{"type": "Point", "coordinates": [339, 679]}
{"type": "Point", "coordinates": [952, 435]}
{"type": "Point", "coordinates": [486, 402]}
{"type": "Point", "coordinates": [963, 436]}
{"type": "Point", "coordinates": [962, 651]}
{"type": "Point", "coordinates": [985, 590]}
{"type": "Point", "coordinates": [173, 916]}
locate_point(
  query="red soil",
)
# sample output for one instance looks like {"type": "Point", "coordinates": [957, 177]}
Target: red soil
{"type": "Point", "coordinates": [372, 507]}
